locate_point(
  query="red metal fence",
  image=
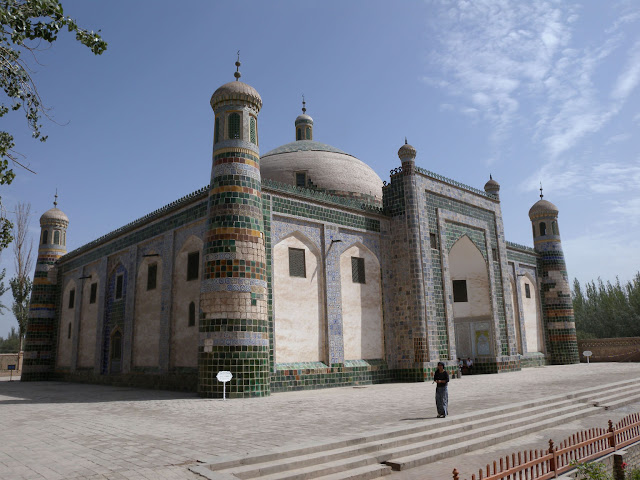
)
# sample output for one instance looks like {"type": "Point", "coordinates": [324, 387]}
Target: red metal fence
{"type": "Point", "coordinates": [580, 447]}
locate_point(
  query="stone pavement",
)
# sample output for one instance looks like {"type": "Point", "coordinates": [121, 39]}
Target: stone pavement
{"type": "Point", "coordinates": [52, 430]}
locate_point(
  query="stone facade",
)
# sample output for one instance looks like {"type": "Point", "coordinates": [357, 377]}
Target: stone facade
{"type": "Point", "coordinates": [296, 287]}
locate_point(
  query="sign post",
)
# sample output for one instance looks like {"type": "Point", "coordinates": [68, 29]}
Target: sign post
{"type": "Point", "coordinates": [11, 368]}
{"type": "Point", "coordinates": [587, 353]}
{"type": "Point", "coordinates": [224, 376]}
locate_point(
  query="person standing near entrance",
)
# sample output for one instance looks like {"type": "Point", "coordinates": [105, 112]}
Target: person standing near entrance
{"type": "Point", "coordinates": [441, 377]}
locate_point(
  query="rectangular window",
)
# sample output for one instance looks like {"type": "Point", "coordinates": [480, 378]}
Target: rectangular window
{"type": "Point", "coordinates": [296, 263]}
{"type": "Point", "coordinates": [94, 293]}
{"type": "Point", "coordinates": [301, 179]}
{"type": "Point", "coordinates": [432, 239]}
{"type": "Point", "coordinates": [119, 286]}
{"type": "Point", "coordinates": [527, 290]}
{"type": "Point", "coordinates": [357, 270]}
{"type": "Point", "coordinates": [152, 273]}
{"type": "Point", "coordinates": [460, 291]}
{"type": "Point", "coordinates": [193, 266]}
{"type": "Point", "coordinates": [72, 297]}
{"type": "Point", "coordinates": [494, 252]}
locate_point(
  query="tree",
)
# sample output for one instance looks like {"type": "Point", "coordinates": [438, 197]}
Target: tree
{"type": "Point", "coordinates": [11, 344]}
{"type": "Point", "coordinates": [26, 26]}
{"type": "Point", "coordinates": [23, 261]}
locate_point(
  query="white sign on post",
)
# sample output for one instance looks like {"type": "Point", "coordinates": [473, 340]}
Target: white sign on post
{"type": "Point", "coordinates": [587, 353]}
{"type": "Point", "coordinates": [224, 376]}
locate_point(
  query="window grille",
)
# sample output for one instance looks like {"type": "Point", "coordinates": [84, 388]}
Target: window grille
{"type": "Point", "coordinates": [296, 263]}
{"type": "Point", "coordinates": [216, 131]}
{"type": "Point", "coordinates": [45, 237]}
{"type": "Point", "coordinates": [357, 270]}
{"type": "Point", "coordinates": [554, 227]}
{"type": "Point", "coordinates": [301, 179]}
{"type": "Point", "coordinates": [308, 133]}
{"type": "Point", "coordinates": [56, 237]}
{"type": "Point", "coordinates": [494, 253]}
{"type": "Point", "coordinates": [252, 126]}
{"type": "Point", "coordinates": [72, 298]}
{"type": "Point", "coordinates": [119, 286]}
{"type": "Point", "coordinates": [193, 266]}
{"type": "Point", "coordinates": [234, 125]}
{"type": "Point", "coordinates": [152, 273]}
{"type": "Point", "coordinates": [94, 293]}
{"type": "Point", "coordinates": [192, 314]}
{"type": "Point", "coordinates": [527, 290]}
{"type": "Point", "coordinates": [543, 228]}
{"type": "Point", "coordinates": [460, 291]}
{"type": "Point", "coordinates": [299, 134]}
{"type": "Point", "coordinates": [432, 239]}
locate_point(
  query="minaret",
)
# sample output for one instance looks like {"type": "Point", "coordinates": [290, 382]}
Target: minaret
{"type": "Point", "coordinates": [41, 336]}
{"type": "Point", "coordinates": [233, 328]}
{"type": "Point", "coordinates": [555, 292]}
{"type": "Point", "coordinates": [304, 124]}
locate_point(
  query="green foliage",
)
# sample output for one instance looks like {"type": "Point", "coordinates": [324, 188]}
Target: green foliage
{"type": "Point", "coordinates": [26, 25]}
{"type": "Point", "coordinates": [3, 289]}
{"type": "Point", "coordinates": [592, 471]}
{"type": "Point", "coordinates": [21, 291]}
{"type": "Point", "coordinates": [606, 310]}
{"type": "Point", "coordinates": [11, 344]}
{"type": "Point", "coordinates": [633, 474]}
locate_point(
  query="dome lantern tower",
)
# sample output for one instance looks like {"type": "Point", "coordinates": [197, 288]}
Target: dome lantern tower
{"type": "Point", "coordinates": [555, 292]}
{"type": "Point", "coordinates": [233, 325]}
{"type": "Point", "coordinates": [304, 124]}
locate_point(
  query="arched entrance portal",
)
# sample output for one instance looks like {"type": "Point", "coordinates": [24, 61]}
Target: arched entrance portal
{"type": "Point", "coordinates": [471, 300]}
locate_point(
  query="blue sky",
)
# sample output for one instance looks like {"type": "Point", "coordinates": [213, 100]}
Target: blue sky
{"type": "Point", "coordinates": [543, 91]}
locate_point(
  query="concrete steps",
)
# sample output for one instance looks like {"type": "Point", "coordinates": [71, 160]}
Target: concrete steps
{"type": "Point", "coordinates": [399, 448]}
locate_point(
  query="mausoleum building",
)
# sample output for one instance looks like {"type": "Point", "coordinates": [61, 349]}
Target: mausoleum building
{"type": "Point", "coordinates": [299, 269]}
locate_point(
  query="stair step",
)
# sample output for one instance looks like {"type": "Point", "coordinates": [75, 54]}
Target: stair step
{"type": "Point", "coordinates": [324, 469]}
{"type": "Point", "coordinates": [362, 473]}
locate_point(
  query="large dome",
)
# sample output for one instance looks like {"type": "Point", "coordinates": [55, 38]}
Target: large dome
{"type": "Point", "coordinates": [325, 167]}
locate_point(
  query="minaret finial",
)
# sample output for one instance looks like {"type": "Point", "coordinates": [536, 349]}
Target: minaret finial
{"type": "Point", "coordinates": [304, 105]}
{"type": "Point", "coordinates": [541, 191]}
{"type": "Point", "coordinates": [238, 74]}
{"type": "Point", "coordinates": [490, 177]}
{"type": "Point", "coordinates": [55, 202]}
{"type": "Point", "coordinates": [405, 141]}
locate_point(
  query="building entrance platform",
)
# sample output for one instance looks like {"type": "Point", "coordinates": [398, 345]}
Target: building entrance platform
{"type": "Point", "coordinates": [54, 430]}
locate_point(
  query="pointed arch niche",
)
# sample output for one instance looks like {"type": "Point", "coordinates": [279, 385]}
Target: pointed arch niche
{"type": "Point", "coordinates": [298, 307]}
{"type": "Point", "coordinates": [67, 318]}
{"type": "Point", "coordinates": [531, 313]}
{"type": "Point", "coordinates": [361, 304]}
{"type": "Point", "coordinates": [472, 311]}
{"type": "Point", "coordinates": [516, 313]}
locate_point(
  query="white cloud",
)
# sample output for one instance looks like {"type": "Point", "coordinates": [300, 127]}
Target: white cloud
{"type": "Point", "coordinates": [630, 77]}
{"type": "Point", "coordinates": [621, 137]}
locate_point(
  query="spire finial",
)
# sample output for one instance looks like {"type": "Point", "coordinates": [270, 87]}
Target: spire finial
{"type": "Point", "coordinates": [304, 105]}
{"type": "Point", "coordinates": [55, 201]}
{"type": "Point", "coordinates": [405, 141]}
{"type": "Point", "coordinates": [238, 74]}
{"type": "Point", "coordinates": [541, 191]}
{"type": "Point", "coordinates": [490, 177]}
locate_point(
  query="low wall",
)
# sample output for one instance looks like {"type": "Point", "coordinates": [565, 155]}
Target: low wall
{"type": "Point", "coordinates": [630, 456]}
{"type": "Point", "coordinates": [7, 359]}
{"type": "Point", "coordinates": [625, 349]}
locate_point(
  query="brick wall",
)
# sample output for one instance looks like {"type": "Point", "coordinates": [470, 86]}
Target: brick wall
{"type": "Point", "coordinates": [611, 349]}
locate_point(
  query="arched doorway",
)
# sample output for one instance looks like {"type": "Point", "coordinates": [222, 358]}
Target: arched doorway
{"type": "Point", "coordinates": [115, 355]}
{"type": "Point", "coordinates": [471, 300]}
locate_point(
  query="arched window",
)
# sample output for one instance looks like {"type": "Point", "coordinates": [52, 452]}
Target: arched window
{"type": "Point", "coordinates": [554, 227]}
{"type": "Point", "coordinates": [234, 125]}
{"type": "Point", "coordinates": [299, 134]}
{"type": "Point", "coordinates": [252, 129]}
{"type": "Point", "coordinates": [64, 238]}
{"type": "Point", "coordinates": [543, 228]}
{"type": "Point", "coordinates": [56, 237]}
{"type": "Point", "coordinates": [192, 314]}
{"type": "Point", "coordinates": [216, 130]}
{"type": "Point", "coordinates": [308, 133]}
{"type": "Point", "coordinates": [45, 236]}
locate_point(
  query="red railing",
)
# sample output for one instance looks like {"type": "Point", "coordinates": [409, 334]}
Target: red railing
{"type": "Point", "coordinates": [580, 447]}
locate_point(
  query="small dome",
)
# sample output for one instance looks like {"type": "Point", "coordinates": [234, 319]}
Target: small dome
{"type": "Point", "coordinates": [54, 216]}
{"type": "Point", "coordinates": [543, 208]}
{"type": "Point", "coordinates": [236, 91]}
{"type": "Point", "coordinates": [304, 118]}
{"type": "Point", "coordinates": [491, 186]}
{"type": "Point", "coordinates": [407, 152]}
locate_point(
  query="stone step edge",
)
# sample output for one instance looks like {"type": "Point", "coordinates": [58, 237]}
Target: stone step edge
{"type": "Point", "coordinates": [226, 461]}
{"type": "Point", "coordinates": [364, 473]}
{"type": "Point", "coordinates": [322, 469]}
{"type": "Point", "coordinates": [460, 431]}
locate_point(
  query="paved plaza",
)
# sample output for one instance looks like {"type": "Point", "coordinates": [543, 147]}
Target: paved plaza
{"type": "Point", "coordinates": [53, 430]}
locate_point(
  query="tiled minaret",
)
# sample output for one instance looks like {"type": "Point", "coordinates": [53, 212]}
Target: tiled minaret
{"type": "Point", "coordinates": [233, 328]}
{"type": "Point", "coordinates": [41, 335]}
{"type": "Point", "coordinates": [555, 292]}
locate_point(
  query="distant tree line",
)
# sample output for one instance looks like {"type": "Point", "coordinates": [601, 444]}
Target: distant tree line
{"type": "Point", "coordinates": [606, 310]}
{"type": "Point", "coordinates": [11, 344]}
